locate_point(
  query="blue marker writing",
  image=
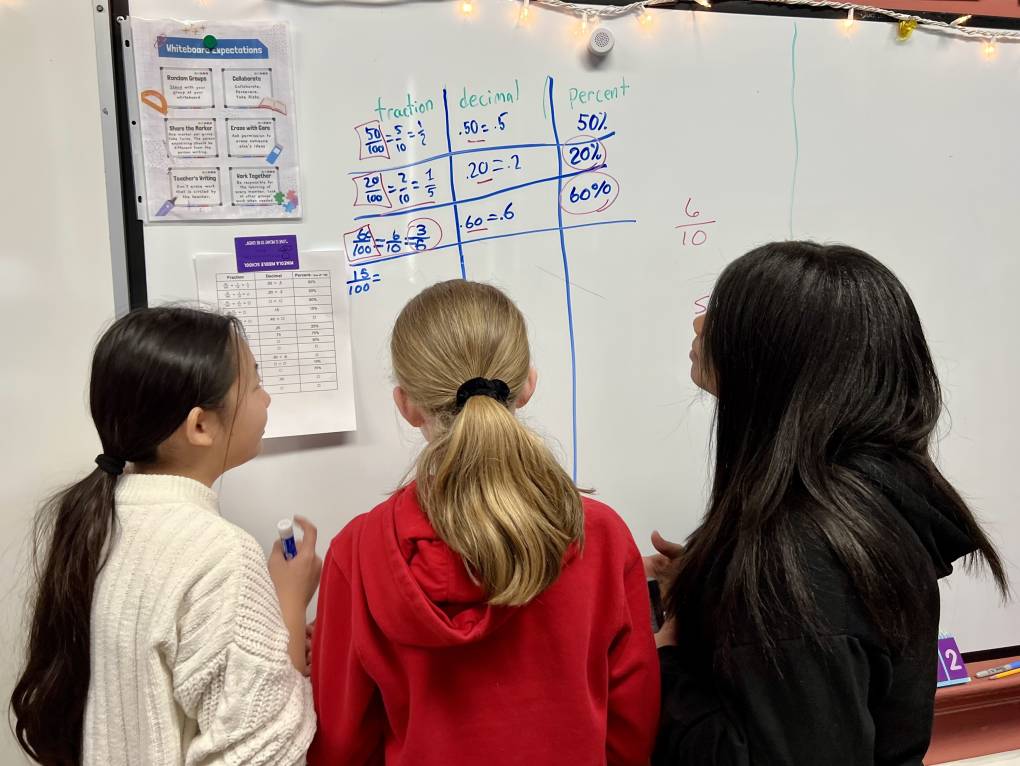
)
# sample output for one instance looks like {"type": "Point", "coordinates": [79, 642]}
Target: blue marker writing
{"type": "Point", "coordinates": [285, 529]}
{"type": "Point", "coordinates": [274, 155]}
{"type": "Point", "coordinates": [166, 207]}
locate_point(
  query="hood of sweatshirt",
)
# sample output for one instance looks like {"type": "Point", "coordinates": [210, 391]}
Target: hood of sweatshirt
{"type": "Point", "coordinates": [927, 510]}
{"type": "Point", "coordinates": [418, 589]}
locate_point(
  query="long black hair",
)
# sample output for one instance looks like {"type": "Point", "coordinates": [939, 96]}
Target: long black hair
{"type": "Point", "coordinates": [149, 370]}
{"type": "Point", "coordinates": [827, 398]}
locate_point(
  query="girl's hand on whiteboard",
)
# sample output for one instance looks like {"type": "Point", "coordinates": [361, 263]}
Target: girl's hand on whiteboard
{"type": "Point", "coordinates": [662, 565]}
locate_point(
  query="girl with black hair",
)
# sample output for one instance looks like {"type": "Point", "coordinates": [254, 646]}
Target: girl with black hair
{"type": "Point", "coordinates": [158, 636]}
{"type": "Point", "coordinates": [805, 607]}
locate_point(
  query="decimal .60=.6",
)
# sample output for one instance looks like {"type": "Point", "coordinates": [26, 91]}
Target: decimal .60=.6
{"type": "Point", "coordinates": [472, 222]}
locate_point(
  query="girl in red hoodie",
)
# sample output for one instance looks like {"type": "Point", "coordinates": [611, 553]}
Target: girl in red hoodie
{"type": "Point", "coordinates": [486, 613]}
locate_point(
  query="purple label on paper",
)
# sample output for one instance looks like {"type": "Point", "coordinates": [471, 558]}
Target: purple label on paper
{"type": "Point", "coordinates": [951, 669]}
{"type": "Point", "coordinates": [270, 253]}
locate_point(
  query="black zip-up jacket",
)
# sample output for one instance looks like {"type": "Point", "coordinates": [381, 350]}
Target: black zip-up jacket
{"type": "Point", "coordinates": [843, 698]}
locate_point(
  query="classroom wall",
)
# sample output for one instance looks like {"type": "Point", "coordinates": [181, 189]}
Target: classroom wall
{"type": "Point", "coordinates": [56, 290]}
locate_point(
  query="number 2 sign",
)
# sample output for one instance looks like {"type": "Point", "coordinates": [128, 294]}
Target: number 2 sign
{"type": "Point", "coordinates": [951, 669]}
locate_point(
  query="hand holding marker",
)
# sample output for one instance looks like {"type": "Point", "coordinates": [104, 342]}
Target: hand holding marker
{"type": "Point", "coordinates": [293, 565]}
{"type": "Point", "coordinates": [295, 573]}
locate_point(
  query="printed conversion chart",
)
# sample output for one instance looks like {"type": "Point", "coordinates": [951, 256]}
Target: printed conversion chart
{"type": "Point", "coordinates": [296, 323]}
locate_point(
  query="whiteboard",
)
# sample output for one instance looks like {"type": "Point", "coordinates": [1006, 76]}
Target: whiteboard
{"type": "Point", "coordinates": [745, 129]}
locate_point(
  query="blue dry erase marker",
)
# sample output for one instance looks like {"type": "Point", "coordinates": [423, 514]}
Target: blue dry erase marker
{"type": "Point", "coordinates": [1000, 669]}
{"type": "Point", "coordinates": [274, 155]}
{"type": "Point", "coordinates": [285, 529]}
{"type": "Point", "coordinates": [166, 207]}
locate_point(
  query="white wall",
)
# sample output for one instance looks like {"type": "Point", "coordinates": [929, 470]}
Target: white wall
{"type": "Point", "coordinates": [56, 287]}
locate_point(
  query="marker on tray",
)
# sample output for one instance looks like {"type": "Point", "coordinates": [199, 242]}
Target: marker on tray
{"type": "Point", "coordinates": [997, 670]}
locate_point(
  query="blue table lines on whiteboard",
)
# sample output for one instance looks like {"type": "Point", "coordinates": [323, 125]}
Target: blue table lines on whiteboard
{"type": "Point", "coordinates": [580, 182]}
{"type": "Point", "coordinates": [561, 176]}
{"type": "Point", "coordinates": [453, 185]}
{"type": "Point", "coordinates": [408, 254]}
{"type": "Point", "coordinates": [476, 150]}
{"type": "Point", "coordinates": [566, 283]}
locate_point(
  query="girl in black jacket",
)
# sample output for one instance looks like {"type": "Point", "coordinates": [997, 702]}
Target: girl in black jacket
{"type": "Point", "coordinates": [805, 607]}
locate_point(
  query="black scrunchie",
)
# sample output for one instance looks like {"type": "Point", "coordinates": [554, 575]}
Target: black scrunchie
{"type": "Point", "coordinates": [495, 389]}
{"type": "Point", "coordinates": [111, 465]}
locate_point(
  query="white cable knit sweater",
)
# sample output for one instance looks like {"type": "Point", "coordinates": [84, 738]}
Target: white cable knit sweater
{"type": "Point", "coordinates": [189, 650]}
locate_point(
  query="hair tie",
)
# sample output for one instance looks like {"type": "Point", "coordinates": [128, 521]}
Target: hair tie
{"type": "Point", "coordinates": [111, 465]}
{"type": "Point", "coordinates": [494, 389]}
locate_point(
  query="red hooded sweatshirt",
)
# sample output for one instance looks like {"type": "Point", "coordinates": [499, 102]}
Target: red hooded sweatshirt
{"type": "Point", "coordinates": [411, 666]}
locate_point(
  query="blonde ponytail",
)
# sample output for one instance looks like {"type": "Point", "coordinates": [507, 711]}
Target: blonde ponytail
{"type": "Point", "coordinates": [491, 488]}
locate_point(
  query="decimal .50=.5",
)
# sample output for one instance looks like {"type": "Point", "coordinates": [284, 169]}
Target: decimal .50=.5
{"type": "Point", "coordinates": [474, 127]}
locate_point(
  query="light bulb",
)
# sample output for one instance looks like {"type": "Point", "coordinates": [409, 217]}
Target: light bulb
{"type": "Point", "coordinates": [905, 29]}
{"type": "Point", "coordinates": [848, 22]}
{"type": "Point", "coordinates": [466, 7]}
{"type": "Point", "coordinates": [525, 10]}
{"type": "Point", "coordinates": [989, 49]}
{"type": "Point", "coordinates": [646, 17]}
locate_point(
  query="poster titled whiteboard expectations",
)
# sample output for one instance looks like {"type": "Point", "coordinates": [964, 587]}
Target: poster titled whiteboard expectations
{"type": "Point", "coordinates": [218, 133]}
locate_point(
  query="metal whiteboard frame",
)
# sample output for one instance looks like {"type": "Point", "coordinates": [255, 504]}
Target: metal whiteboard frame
{"type": "Point", "coordinates": [127, 235]}
{"type": "Point", "coordinates": [122, 158]}
{"type": "Point", "coordinates": [111, 155]}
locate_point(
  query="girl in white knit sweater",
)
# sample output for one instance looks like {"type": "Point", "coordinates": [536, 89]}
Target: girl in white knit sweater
{"type": "Point", "coordinates": [158, 634]}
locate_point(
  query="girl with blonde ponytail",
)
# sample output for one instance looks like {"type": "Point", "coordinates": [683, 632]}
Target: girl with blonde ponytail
{"type": "Point", "coordinates": [486, 612]}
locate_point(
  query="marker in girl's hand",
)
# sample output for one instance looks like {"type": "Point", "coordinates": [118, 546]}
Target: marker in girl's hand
{"type": "Point", "coordinates": [285, 529]}
{"type": "Point", "coordinates": [655, 596]}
